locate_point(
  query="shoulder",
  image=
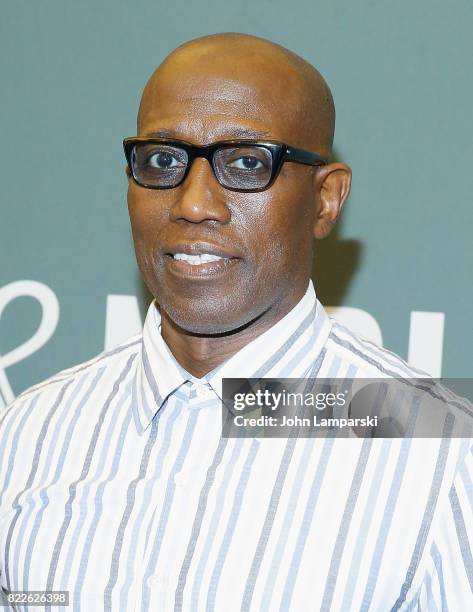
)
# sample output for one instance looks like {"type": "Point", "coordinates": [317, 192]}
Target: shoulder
{"type": "Point", "coordinates": [64, 411]}
{"type": "Point", "coordinates": [358, 357]}
{"type": "Point", "coordinates": [107, 366]}
{"type": "Point", "coordinates": [367, 358]}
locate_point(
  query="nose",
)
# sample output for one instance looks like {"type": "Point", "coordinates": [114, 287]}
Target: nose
{"type": "Point", "coordinates": [200, 197]}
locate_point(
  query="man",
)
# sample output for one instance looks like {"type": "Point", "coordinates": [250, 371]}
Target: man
{"type": "Point", "coordinates": [116, 483]}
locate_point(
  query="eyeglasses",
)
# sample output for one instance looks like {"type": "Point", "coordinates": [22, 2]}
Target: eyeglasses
{"type": "Point", "coordinates": [238, 165]}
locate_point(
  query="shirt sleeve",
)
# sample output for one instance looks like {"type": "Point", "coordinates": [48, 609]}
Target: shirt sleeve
{"type": "Point", "coordinates": [448, 580]}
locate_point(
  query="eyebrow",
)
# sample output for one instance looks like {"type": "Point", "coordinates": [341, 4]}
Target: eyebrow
{"type": "Point", "coordinates": [233, 132]}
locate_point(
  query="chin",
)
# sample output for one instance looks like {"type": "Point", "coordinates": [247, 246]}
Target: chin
{"type": "Point", "coordinates": [204, 324]}
{"type": "Point", "coordinates": [209, 320]}
{"type": "Point", "coordinates": [210, 309]}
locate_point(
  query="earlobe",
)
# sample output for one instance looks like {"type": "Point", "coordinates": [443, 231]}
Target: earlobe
{"type": "Point", "coordinates": [333, 186]}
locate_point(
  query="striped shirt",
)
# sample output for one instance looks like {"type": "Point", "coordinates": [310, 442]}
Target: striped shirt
{"type": "Point", "coordinates": [117, 486]}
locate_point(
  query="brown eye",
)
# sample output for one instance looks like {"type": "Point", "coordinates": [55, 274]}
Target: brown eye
{"type": "Point", "coordinates": [246, 162]}
{"type": "Point", "coordinates": [163, 160]}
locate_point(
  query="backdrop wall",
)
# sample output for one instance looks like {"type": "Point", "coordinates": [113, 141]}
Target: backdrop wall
{"type": "Point", "coordinates": [400, 263]}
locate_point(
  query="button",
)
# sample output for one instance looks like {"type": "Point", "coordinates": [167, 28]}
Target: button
{"type": "Point", "coordinates": [204, 391]}
{"type": "Point", "coordinates": [159, 584]}
{"type": "Point", "coordinates": [179, 479]}
{"type": "Point", "coordinates": [155, 581]}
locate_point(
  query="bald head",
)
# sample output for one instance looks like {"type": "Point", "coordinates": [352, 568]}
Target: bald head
{"type": "Point", "coordinates": [276, 86]}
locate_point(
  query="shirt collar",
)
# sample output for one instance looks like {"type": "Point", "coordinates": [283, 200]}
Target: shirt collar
{"type": "Point", "coordinates": [289, 349]}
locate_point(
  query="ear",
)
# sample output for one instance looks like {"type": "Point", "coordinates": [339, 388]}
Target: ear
{"type": "Point", "coordinates": [333, 183]}
{"type": "Point", "coordinates": [127, 172]}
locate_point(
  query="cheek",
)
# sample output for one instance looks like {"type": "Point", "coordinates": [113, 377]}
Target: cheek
{"type": "Point", "coordinates": [147, 217]}
{"type": "Point", "coordinates": [278, 226]}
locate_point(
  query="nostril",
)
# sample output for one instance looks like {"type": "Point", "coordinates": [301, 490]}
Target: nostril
{"type": "Point", "coordinates": [200, 199]}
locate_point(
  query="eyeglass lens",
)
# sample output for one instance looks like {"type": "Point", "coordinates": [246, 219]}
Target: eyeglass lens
{"type": "Point", "coordinates": [236, 167]}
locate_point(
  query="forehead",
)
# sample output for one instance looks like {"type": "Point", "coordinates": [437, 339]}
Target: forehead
{"type": "Point", "coordinates": [202, 100]}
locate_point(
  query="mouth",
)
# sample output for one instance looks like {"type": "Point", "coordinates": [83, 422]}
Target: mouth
{"type": "Point", "coordinates": [199, 260]}
{"type": "Point", "coordinates": [204, 265]}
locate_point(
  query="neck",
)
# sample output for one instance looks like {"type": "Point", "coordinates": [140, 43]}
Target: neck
{"type": "Point", "coordinates": [199, 354]}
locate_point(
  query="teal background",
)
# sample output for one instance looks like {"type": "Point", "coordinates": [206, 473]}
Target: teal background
{"type": "Point", "coordinates": [71, 78]}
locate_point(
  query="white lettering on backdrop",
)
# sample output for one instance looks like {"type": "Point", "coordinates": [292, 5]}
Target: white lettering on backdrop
{"type": "Point", "coordinates": [47, 326]}
{"type": "Point", "coordinates": [123, 320]}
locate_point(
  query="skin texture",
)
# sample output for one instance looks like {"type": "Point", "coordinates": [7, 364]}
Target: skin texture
{"type": "Point", "coordinates": [221, 87]}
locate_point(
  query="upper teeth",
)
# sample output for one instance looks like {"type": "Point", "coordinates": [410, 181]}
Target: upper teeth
{"type": "Point", "coordinates": [195, 260]}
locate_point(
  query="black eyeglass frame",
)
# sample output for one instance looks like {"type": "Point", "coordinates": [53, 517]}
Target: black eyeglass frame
{"type": "Point", "coordinates": [280, 152]}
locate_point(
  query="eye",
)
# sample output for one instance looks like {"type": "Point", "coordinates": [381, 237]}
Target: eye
{"type": "Point", "coordinates": [163, 160]}
{"type": "Point", "coordinates": [246, 162]}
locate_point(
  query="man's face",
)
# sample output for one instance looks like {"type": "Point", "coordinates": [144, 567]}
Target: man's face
{"type": "Point", "coordinates": [268, 236]}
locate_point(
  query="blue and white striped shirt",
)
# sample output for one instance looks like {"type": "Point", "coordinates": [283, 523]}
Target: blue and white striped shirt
{"type": "Point", "coordinates": [117, 486]}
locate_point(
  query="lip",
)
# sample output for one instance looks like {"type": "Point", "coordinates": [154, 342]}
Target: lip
{"type": "Point", "coordinates": [208, 270]}
{"type": "Point", "coordinates": [198, 248]}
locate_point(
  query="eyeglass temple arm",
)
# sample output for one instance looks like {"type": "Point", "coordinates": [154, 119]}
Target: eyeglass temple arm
{"type": "Point", "coordinates": [304, 157]}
